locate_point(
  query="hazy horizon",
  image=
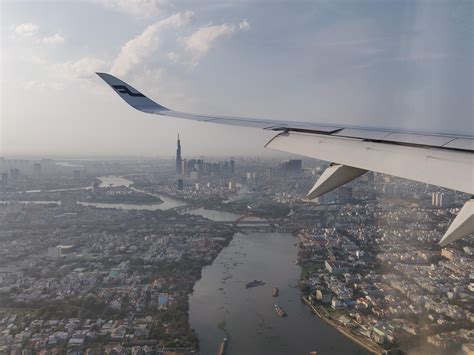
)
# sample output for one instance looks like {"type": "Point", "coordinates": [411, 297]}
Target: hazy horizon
{"type": "Point", "coordinates": [272, 155]}
{"type": "Point", "coordinates": [403, 65]}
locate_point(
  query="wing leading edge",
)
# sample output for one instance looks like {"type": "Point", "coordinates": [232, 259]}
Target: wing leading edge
{"type": "Point", "coordinates": [142, 103]}
{"type": "Point", "coordinates": [439, 159]}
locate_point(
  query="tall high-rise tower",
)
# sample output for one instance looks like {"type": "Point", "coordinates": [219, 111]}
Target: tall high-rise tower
{"type": "Point", "coordinates": [179, 160]}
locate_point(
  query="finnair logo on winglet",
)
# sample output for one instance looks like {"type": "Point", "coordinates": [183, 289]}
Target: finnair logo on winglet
{"type": "Point", "coordinates": [125, 90]}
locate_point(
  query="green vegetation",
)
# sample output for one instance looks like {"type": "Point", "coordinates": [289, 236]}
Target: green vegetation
{"type": "Point", "coordinates": [90, 307]}
{"type": "Point", "coordinates": [309, 268]}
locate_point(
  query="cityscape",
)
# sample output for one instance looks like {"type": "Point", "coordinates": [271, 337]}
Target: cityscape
{"type": "Point", "coordinates": [197, 255]}
{"type": "Point", "coordinates": [236, 177]}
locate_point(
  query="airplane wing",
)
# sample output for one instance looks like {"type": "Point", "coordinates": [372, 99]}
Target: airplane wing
{"type": "Point", "coordinates": [445, 160]}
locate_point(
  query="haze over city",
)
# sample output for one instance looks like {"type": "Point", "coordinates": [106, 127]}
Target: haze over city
{"type": "Point", "coordinates": [401, 64]}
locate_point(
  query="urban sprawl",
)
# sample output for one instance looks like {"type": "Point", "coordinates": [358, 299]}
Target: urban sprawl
{"type": "Point", "coordinates": [80, 276]}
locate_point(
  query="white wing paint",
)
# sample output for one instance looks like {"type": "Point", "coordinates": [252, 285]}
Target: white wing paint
{"type": "Point", "coordinates": [439, 159]}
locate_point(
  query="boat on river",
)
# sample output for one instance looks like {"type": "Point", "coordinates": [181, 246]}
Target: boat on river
{"type": "Point", "coordinates": [254, 283]}
{"type": "Point", "coordinates": [279, 311]}
{"type": "Point", "coordinates": [275, 292]}
{"type": "Point", "coordinates": [222, 347]}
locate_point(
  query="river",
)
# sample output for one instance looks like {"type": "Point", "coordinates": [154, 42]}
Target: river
{"type": "Point", "coordinates": [221, 306]}
{"type": "Point", "coordinates": [114, 181]}
{"type": "Point", "coordinates": [108, 181]}
{"type": "Point", "coordinates": [222, 216]}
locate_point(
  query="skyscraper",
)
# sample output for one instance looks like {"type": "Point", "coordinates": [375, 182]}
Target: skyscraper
{"type": "Point", "coordinates": [4, 181]}
{"type": "Point", "coordinates": [179, 160]}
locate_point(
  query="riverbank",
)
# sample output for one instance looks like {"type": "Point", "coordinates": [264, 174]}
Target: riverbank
{"type": "Point", "coordinates": [221, 306]}
{"type": "Point", "coordinates": [362, 341]}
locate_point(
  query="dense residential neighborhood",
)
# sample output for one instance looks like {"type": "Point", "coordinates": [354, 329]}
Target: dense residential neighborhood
{"type": "Point", "coordinates": [79, 275]}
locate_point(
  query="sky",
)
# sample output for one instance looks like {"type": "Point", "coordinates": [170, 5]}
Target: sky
{"type": "Point", "coordinates": [394, 64]}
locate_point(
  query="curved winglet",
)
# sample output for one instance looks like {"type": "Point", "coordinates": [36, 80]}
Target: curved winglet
{"type": "Point", "coordinates": [132, 96]}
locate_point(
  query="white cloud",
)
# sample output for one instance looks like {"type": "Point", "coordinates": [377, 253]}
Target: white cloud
{"type": "Point", "coordinates": [205, 37]}
{"type": "Point", "coordinates": [201, 41]}
{"type": "Point", "coordinates": [84, 68]}
{"type": "Point", "coordinates": [38, 60]}
{"type": "Point", "coordinates": [137, 8]}
{"type": "Point", "coordinates": [36, 85]}
{"type": "Point", "coordinates": [142, 46]}
{"type": "Point", "coordinates": [26, 29]}
{"type": "Point", "coordinates": [244, 25]}
{"type": "Point", "coordinates": [33, 59]}
{"type": "Point", "coordinates": [31, 30]}
{"type": "Point", "coordinates": [152, 80]}
{"type": "Point", "coordinates": [53, 39]}
{"type": "Point", "coordinates": [173, 56]}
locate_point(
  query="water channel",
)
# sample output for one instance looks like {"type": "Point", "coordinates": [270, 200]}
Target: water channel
{"type": "Point", "coordinates": [113, 181]}
{"type": "Point", "coordinates": [221, 306]}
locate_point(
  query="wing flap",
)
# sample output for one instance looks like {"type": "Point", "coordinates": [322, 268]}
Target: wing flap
{"type": "Point", "coordinates": [452, 169]}
{"type": "Point", "coordinates": [362, 133]}
{"type": "Point", "coordinates": [418, 139]}
{"type": "Point", "coordinates": [461, 143]}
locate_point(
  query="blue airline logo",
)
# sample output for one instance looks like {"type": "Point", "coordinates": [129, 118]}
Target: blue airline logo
{"type": "Point", "coordinates": [125, 90]}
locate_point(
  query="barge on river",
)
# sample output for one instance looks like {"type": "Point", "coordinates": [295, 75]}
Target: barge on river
{"type": "Point", "coordinates": [279, 311]}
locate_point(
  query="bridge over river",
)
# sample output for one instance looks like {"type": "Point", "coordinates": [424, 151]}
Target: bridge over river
{"type": "Point", "coordinates": [246, 221]}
